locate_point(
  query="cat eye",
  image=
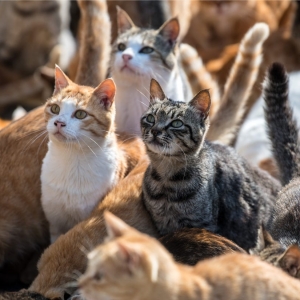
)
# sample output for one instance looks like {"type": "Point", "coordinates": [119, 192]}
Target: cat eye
{"type": "Point", "coordinates": [150, 118]}
{"type": "Point", "coordinates": [177, 123]}
{"type": "Point", "coordinates": [55, 109]}
{"type": "Point", "coordinates": [121, 47]}
{"type": "Point", "coordinates": [146, 50]}
{"type": "Point", "coordinates": [80, 114]}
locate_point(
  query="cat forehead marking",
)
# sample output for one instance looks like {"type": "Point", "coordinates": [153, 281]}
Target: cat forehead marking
{"type": "Point", "coordinates": [68, 106]}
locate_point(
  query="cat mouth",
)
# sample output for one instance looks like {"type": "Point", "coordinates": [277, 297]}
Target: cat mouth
{"type": "Point", "coordinates": [126, 68]}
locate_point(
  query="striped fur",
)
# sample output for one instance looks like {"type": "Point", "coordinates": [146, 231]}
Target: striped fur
{"type": "Point", "coordinates": [198, 76]}
{"type": "Point", "coordinates": [282, 128]}
{"type": "Point", "coordinates": [243, 74]}
{"type": "Point", "coordinates": [194, 183]}
{"type": "Point", "coordinates": [94, 52]}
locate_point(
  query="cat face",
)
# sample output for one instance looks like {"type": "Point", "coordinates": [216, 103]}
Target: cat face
{"type": "Point", "coordinates": [77, 113]}
{"type": "Point", "coordinates": [174, 128]}
{"type": "Point", "coordinates": [118, 268]}
{"type": "Point", "coordinates": [140, 54]}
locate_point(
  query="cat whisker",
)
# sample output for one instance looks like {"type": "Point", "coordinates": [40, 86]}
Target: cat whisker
{"type": "Point", "coordinates": [89, 148]}
{"type": "Point", "coordinates": [41, 144]}
{"type": "Point", "coordinates": [32, 132]}
{"type": "Point", "coordinates": [91, 140]}
{"type": "Point", "coordinates": [33, 140]}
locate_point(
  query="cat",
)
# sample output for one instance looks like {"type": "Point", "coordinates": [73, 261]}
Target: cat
{"type": "Point", "coordinates": [67, 254]}
{"type": "Point", "coordinates": [137, 56]}
{"type": "Point", "coordinates": [283, 132]}
{"type": "Point", "coordinates": [84, 159]}
{"type": "Point", "coordinates": [190, 245]}
{"type": "Point", "coordinates": [222, 23]}
{"type": "Point", "coordinates": [132, 265]}
{"type": "Point", "coordinates": [22, 149]}
{"type": "Point", "coordinates": [194, 183]}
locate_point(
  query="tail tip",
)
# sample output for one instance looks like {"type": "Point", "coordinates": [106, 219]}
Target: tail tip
{"type": "Point", "coordinates": [277, 73]}
{"type": "Point", "coordinates": [258, 33]}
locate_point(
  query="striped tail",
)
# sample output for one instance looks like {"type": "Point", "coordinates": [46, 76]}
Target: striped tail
{"type": "Point", "coordinates": [243, 74]}
{"type": "Point", "coordinates": [94, 48]}
{"type": "Point", "coordinates": [199, 78]}
{"type": "Point", "coordinates": [282, 128]}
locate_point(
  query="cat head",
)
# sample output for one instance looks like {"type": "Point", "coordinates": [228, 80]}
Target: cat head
{"type": "Point", "coordinates": [140, 54]}
{"type": "Point", "coordinates": [78, 113]}
{"type": "Point", "coordinates": [174, 128]}
{"type": "Point", "coordinates": [127, 263]}
{"type": "Point", "coordinates": [288, 259]}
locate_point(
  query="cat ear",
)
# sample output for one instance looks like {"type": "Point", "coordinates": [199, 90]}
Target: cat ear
{"type": "Point", "coordinates": [290, 260]}
{"type": "Point", "coordinates": [115, 227]}
{"type": "Point", "coordinates": [105, 92]}
{"type": "Point", "coordinates": [61, 80]}
{"type": "Point", "coordinates": [156, 92]}
{"type": "Point", "coordinates": [202, 102]}
{"type": "Point", "coordinates": [170, 30]}
{"type": "Point", "coordinates": [124, 21]}
{"type": "Point", "coordinates": [264, 239]}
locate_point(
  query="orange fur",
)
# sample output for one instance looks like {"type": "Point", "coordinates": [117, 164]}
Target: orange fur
{"type": "Point", "coordinates": [65, 256]}
{"type": "Point", "coordinates": [132, 265]}
{"type": "Point", "coordinates": [4, 123]}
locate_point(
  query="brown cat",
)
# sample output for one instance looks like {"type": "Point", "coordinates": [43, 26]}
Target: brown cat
{"type": "Point", "coordinates": [22, 149]}
{"type": "Point", "coordinates": [132, 265]}
{"type": "Point", "coordinates": [221, 23]}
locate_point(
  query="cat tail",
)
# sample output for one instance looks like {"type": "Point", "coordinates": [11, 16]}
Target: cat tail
{"type": "Point", "coordinates": [282, 128]}
{"type": "Point", "coordinates": [243, 74]}
{"type": "Point", "coordinates": [199, 78]}
{"type": "Point", "coordinates": [94, 44]}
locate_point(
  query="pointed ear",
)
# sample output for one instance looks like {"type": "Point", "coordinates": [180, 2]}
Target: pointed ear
{"type": "Point", "coordinates": [105, 92]}
{"type": "Point", "coordinates": [61, 80]}
{"type": "Point", "coordinates": [202, 102]}
{"type": "Point", "coordinates": [290, 260]}
{"type": "Point", "coordinates": [129, 255]}
{"type": "Point", "coordinates": [115, 227]}
{"type": "Point", "coordinates": [124, 21]}
{"type": "Point", "coordinates": [264, 239]}
{"type": "Point", "coordinates": [156, 92]}
{"type": "Point", "coordinates": [170, 30]}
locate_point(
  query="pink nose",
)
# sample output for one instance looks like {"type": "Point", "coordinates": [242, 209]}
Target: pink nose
{"type": "Point", "coordinates": [59, 124]}
{"type": "Point", "coordinates": [126, 57]}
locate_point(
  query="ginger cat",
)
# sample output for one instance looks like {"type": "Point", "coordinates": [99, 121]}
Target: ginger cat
{"type": "Point", "coordinates": [132, 265]}
{"type": "Point", "coordinates": [84, 159]}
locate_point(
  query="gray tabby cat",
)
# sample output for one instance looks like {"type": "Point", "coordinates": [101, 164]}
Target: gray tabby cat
{"type": "Point", "coordinates": [282, 247]}
{"type": "Point", "coordinates": [137, 56]}
{"type": "Point", "coordinates": [191, 182]}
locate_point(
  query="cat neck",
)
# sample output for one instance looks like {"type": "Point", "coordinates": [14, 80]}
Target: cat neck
{"type": "Point", "coordinates": [132, 99]}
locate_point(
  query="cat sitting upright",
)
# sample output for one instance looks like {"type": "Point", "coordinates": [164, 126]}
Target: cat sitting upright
{"type": "Point", "coordinates": [191, 182]}
{"type": "Point", "coordinates": [131, 265]}
{"type": "Point", "coordinates": [137, 56]}
{"type": "Point", "coordinates": [84, 160]}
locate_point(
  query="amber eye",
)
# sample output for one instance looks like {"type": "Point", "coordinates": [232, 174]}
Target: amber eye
{"type": "Point", "coordinates": [80, 114]}
{"type": "Point", "coordinates": [146, 50]}
{"type": "Point", "coordinates": [150, 118]}
{"type": "Point", "coordinates": [177, 123]}
{"type": "Point", "coordinates": [55, 109]}
{"type": "Point", "coordinates": [121, 47]}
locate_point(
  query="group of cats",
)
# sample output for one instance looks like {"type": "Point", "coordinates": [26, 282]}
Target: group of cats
{"type": "Point", "coordinates": [198, 197]}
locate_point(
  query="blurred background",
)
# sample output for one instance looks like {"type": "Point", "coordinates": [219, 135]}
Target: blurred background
{"type": "Point", "coordinates": [36, 35]}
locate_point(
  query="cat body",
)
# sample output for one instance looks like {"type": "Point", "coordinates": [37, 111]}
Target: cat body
{"type": "Point", "coordinates": [283, 132]}
{"type": "Point", "coordinates": [132, 265]}
{"type": "Point", "coordinates": [194, 183]}
{"type": "Point", "coordinates": [137, 56]}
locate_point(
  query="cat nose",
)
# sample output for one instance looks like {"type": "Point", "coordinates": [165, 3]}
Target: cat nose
{"type": "Point", "coordinates": [59, 124]}
{"type": "Point", "coordinates": [126, 57]}
{"type": "Point", "coordinates": [155, 132]}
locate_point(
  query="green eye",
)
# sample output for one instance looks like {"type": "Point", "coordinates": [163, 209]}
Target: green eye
{"type": "Point", "coordinates": [146, 50]}
{"type": "Point", "coordinates": [55, 109]}
{"type": "Point", "coordinates": [150, 118]}
{"type": "Point", "coordinates": [80, 114]}
{"type": "Point", "coordinates": [176, 123]}
{"type": "Point", "coordinates": [121, 47]}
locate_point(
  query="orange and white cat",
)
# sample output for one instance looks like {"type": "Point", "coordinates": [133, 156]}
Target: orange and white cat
{"type": "Point", "coordinates": [83, 161]}
{"type": "Point", "coordinates": [132, 265]}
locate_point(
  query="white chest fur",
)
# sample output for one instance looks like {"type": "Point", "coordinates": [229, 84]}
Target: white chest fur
{"type": "Point", "coordinates": [73, 182]}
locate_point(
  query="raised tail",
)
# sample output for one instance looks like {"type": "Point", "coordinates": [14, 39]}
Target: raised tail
{"type": "Point", "coordinates": [282, 128]}
{"type": "Point", "coordinates": [199, 78]}
{"type": "Point", "coordinates": [94, 47]}
{"type": "Point", "coordinates": [243, 74]}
